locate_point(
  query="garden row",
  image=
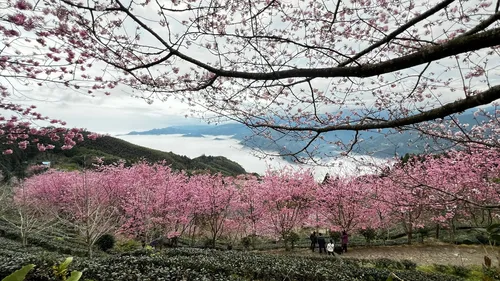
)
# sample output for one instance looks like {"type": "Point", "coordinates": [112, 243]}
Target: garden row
{"type": "Point", "coordinates": [196, 264]}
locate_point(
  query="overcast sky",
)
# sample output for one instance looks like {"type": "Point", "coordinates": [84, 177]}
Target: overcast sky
{"type": "Point", "coordinates": [120, 113]}
{"type": "Point", "coordinates": [115, 114]}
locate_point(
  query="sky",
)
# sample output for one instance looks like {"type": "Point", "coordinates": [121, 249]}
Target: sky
{"type": "Point", "coordinates": [118, 113]}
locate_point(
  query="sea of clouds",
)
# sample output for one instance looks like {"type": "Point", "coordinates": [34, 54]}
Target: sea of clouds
{"type": "Point", "coordinates": [230, 148]}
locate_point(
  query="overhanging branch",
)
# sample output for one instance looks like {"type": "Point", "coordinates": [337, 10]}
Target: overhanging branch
{"type": "Point", "coordinates": [483, 98]}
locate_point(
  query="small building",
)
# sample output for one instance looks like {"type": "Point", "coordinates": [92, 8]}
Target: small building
{"type": "Point", "coordinates": [46, 164]}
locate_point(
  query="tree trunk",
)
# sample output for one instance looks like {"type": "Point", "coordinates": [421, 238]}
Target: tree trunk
{"type": "Point", "coordinates": [287, 248]}
{"type": "Point", "coordinates": [437, 231]}
{"type": "Point", "coordinates": [89, 250]}
{"type": "Point", "coordinates": [410, 233]}
{"type": "Point", "coordinates": [452, 238]}
{"type": "Point", "coordinates": [213, 241]}
{"type": "Point", "coordinates": [24, 239]}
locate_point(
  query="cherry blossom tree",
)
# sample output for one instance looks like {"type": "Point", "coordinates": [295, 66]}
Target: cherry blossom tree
{"type": "Point", "coordinates": [287, 197]}
{"type": "Point", "coordinates": [296, 69]}
{"type": "Point", "coordinates": [214, 199]}
{"type": "Point", "coordinates": [346, 203]}
{"type": "Point", "coordinates": [28, 215]}
{"type": "Point", "coordinates": [82, 199]}
{"type": "Point", "coordinates": [155, 201]}
{"type": "Point", "coordinates": [23, 66]}
{"type": "Point", "coordinates": [250, 209]}
{"type": "Point", "coordinates": [441, 189]}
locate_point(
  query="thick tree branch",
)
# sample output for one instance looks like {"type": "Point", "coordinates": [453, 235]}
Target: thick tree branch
{"type": "Point", "coordinates": [452, 47]}
{"type": "Point", "coordinates": [400, 30]}
{"type": "Point", "coordinates": [483, 98]}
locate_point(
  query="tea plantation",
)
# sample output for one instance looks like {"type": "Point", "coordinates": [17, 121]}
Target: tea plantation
{"type": "Point", "coordinates": [195, 264]}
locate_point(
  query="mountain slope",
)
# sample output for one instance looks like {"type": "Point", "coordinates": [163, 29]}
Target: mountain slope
{"type": "Point", "coordinates": [112, 149]}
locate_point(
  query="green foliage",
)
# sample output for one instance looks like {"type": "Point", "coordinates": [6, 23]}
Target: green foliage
{"type": "Point", "coordinates": [292, 238]}
{"type": "Point", "coordinates": [409, 265]}
{"type": "Point", "coordinates": [247, 242]}
{"type": "Point", "coordinates": [250, 241]}
{"type": "Point", "coordinates": [490, 274]}
{"type": "Point", "coordinates": [106, 242]}
{"type": "Point", "coordinates": [494, 232]}
{"type": "Point", "coordinates": [60, 271]}
{"type": "Point", "coordinates": [389, 264]}
{"type": "Point", "coordinates": [128, 246]}
{"type": "Point", "coordinates": [206, 264]}
{"type": "Point", "coordinates": [423, 233]}
{"type": "Point", "coordinates": [335, 235]}
{"type": "Point", "coordinates": [113, 150]}
{"type": "Point", "coordinates": [461, 271]}
{"type": "Point", "coordinates": [75, 276]}
{"type": "Point", "coordinates": [20, 274]}
{"type": "Point", "coordinates": [369, 234]}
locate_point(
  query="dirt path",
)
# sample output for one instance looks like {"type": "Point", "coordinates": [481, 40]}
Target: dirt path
{"type": "Point", "coordinates": [424, 254]}
{"type": "Point", "coordinates": [463, 255]}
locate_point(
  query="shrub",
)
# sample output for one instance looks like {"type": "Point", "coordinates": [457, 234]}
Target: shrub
{"type": "Point", "coordinates": [442, 268]}
{"type": "Point", "coordinates": [409, 265]}
{"type": "Point", "coordinates": [246, 242]}
{"type": "Point", "coordinates": [460, 270]}
{"type": "Point", "coordinates": [389, 264]}
{"type": "Point", "coordinates": [208, 264]}
{"type": "Point", "coordinates": [292, 238]}
{"type": "Point", "coordinates": [424, 232]}
{"type": "Point", "coordinates": [335, 235]}
{"type": "Point", "coordinates": [106, 242]}
{"type": "Point", "coordinates": [128, 246]}
{"type": "Point", "coordinates": [369, 234]}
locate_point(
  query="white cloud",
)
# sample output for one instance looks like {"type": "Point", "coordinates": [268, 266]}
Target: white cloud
{"type": "Point", "coordinates": [230, 148]}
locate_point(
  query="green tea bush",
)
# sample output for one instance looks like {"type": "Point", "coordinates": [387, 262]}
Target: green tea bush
{"type": "Point", "coordinates": [389, 264]}
{"type": "Point", "coordinates": [441, 268]}
{"type": "Point", "coordinates": [106, 242]}
{"type": "Point", "coordinates": [128, 246]}
{"type": "Point", "coordinates": [292, 238]}
{"type": "Point", "coordinates": [409, 265]}
{"type": "Point", "coordinates": [209, 264]}
{"type": "Point", "coordinates": [460, 270]}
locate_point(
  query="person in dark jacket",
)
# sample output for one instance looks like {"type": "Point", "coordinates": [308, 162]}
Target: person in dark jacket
{"type": "Point", "coordinates": [314, 240]}
{"type": "Point", "coordinates": [345, 240]}
{"type": "Point", "coordinates": [321, 244]}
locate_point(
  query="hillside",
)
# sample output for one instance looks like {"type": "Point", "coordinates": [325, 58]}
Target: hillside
{"type": "Point", "coordinates": [112, 149]}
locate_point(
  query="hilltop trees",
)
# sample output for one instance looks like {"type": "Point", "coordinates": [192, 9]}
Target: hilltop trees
{"type": "Point", "coordinates": [83, 201]}
{"type": "Point", "coordinates": [214, 202]}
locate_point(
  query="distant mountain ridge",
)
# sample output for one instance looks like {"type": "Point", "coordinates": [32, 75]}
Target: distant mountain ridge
{"type": "Point", "coordinates": [379, 143]}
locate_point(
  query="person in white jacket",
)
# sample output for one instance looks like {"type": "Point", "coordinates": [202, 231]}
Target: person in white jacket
{"type": "Point", "coordinates": [330, 247]}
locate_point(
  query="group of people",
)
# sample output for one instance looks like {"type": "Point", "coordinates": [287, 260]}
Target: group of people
{"type": "Point", "coordinates": [330, 247]}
